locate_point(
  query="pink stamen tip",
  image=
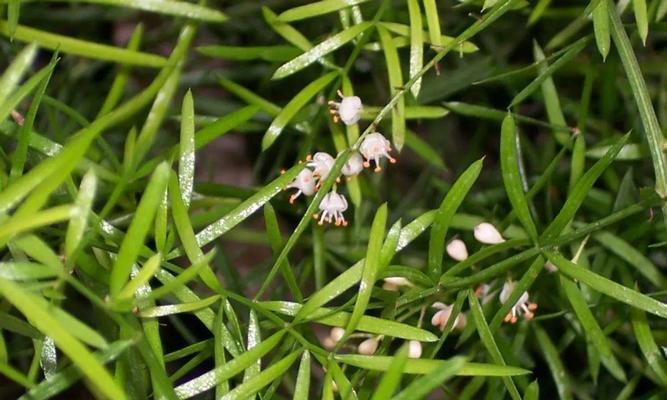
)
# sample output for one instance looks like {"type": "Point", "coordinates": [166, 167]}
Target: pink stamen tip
{"type": "Point", "coordinates": [378, 169]}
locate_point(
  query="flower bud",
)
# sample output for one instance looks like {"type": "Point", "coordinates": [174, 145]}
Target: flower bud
{"type": "Point", "coordinates": [487, 234]}
{"type": "Point", "coordinates": [368, 346]}
{"type": "Point", "coordinates": [414, 349]}
{"type": "Point", "coordinates": [457, 250]}
{"type": "Point", "coordinates": [549, 266]}
{"type": "Point", "coordinates": [337, 334]}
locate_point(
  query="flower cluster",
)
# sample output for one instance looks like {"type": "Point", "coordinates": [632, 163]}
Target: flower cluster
{"type": "Point", "coordinates": [373, 147]}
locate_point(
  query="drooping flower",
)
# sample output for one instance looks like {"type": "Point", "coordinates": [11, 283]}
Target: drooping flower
{"type": "Point", "coordinates": [487, 234]}
{"type": "Point", "coordinates": [348, 110]}
{"type": "Point", "coordinates": [354, 165]}
{"type": "Point", "coordinates": [441, 317]}
{"type": "Point", "coordinates": [414, 349]}
{"type": "Point", "coordinates": [304, 183]}
{"type": "Point", "coordinates": [374, 147]}
{"type": "Point", "coordinates": [523, 306]}
{"type": "Point", "coordinates": [457, 250]}
{"type": "Point", "coordinates": [483, 292]}
{"type": "Point", "coordinates": [332, 207]}
{"type": "Point", "coordinates": [321, 163]}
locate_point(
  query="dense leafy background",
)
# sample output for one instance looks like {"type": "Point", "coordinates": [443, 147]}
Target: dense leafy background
{"type": "Point", "coordinates": [148, 250]}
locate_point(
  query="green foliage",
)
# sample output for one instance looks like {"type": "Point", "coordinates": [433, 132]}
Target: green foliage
{"type": "Point", "coordinates": [140, 138]}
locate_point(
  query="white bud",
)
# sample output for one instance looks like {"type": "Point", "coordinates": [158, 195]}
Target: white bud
{"type": "Point", "coordinates": [487, 234]}
{"type": "Point", "coordinates": [457, 250]}
{"type": "Point", "coordinates": [414, 349]}
{"type": "Point", "coordinates": [390, 287]}
{"type": "Point", "coordinates": [337, 334]}
{"type": "Point", "coordinates": [398, 281]}
{"type": "Point", "coordinates": [368, 346]}
{"type": "Point", "coordinates": [328, 343]}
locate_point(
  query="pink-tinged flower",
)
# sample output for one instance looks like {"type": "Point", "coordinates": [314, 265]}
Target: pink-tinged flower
{"type": "Point", "coordinates": [354, 165]}
{"type": "Point", "coordinates": [304, 183]}
{"type": "Point", "coordinates": [332, 207]}
{"type": "Point", "coordinates": [374, 147]}
{"type": "Point", "coordinates": [348, 110]}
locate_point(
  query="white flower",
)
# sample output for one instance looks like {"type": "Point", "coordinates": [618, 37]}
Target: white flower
{"type": "Point", "coordinates": [368, 346]}
{"type": "Point", "coordinates": [328, 343]}
{"type": "Point", "coordinates": [392, 283]}
{"type": "Point", "coordinates": [337, 334]}
{"type": "Point", "coordinates": [522, 306]}
{"type": "Point", "coordinates": [487, 234]}
{"type": "Point", "coordinates": [304, 183]}
{"type": "Point", "coordinates": [374, 147]}
{"type": "Point", "coordinates": [354, 165]}
{"type": "Point", "coordinates": [414, 349]}
{"type": "Point", "coordinates": [441, 317]}
{"type": "Point", "coordinates": [348, 110]}
{"type": "Point", "coordinates": [457, 250]}
{"type": "Point", "coordinates": [321, 163]}
{"type": "Point", "coordinates": [332, 207]}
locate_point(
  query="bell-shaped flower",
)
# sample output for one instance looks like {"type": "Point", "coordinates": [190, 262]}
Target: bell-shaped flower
{"type": "Point", "coordinates": [321, 163]}
{"type": "Point", "coordinates": [374, 147]}
{"type": "Point", "coordinates": [441, 317]}
{"type": "Point", "coordinates": [348, 110]}
{"type": "Point", "coordinates": [354, 165]}
{"type": "Point", "coordinates": [304, 183]}
{"type": "Point", "coordinates": [332, 207]}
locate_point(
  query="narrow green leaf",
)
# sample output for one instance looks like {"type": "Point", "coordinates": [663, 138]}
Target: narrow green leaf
{"type": "Point", "coordinates": [42, 318]}
{"type": "Point", "coordinates": [550, 96]}
{"type": "Point", "coordinates": [532, 391]}
{"type": "Point", "coordinates": [654, 135]}
{"type": "Point", "coordinates": [13, 15]}
{"type": "Point", "coordinates": [254, 339]}
{"type": "Point", "coordinates": [26, 271]}
{"type": "Point", "coordinates": [647, 345]}
{"type": "Point", "coordinates": [601, 28]}
{"type": "Point", "coordinates": [579, 193]}
{"type": "Point", "coordinates": [421, 387]}
{"type": "Point", "coordinates": [320, 50]}
{"type": "Point", "coordinates": [302, 387]}
{"type": "Point", "coordinates": [267, 376]}
{"type": "Point", "coordinates": [608, 287]}
{"type": "Point", "coordinates": [431, 11]}
{"type": "Point", "coordinates": [395, 87]}
{"type": "Point", "coordinates": [293, 107]}
{"type": "Point", "coordinates": [423, 149]}
{"type": "Point", "coordinates": [220, 338]}
{"type": "Point", "coordinates": [416, 44]}
{"type": "Point", "coordinates": [424, 366]}
{"type": "Point", "coordinates": [166, 7]}
{"type": "Point", "coordinates": [593, 330]}
{"type": "Point", "coordinates": [209, 379]}
{"type": "Point", "coordinates": [276, 241]}
{"type": "Point", "coordinates": [285, 30]}
{"type": "Point", "coordinates": [316, 8]}
{"type": "Point", "coordinates": [632, 256]}
{"type": "Point", "coordinates": [404, 30]}
{"type": "Point", "coordinates": [186, 161]}
{"type": "Point", "coordinates": [445, 214]}
{"type": "Point", "coordinates": [548, 72]}
{"type": "Point", "coordinates": [181, 280]}
{"type": "Point", "coordinates": [47, 217]}
{"type": "Point", "coordinates": [24, 90]}
{"type": "Point", "coordinates": [66, 377]}
{"type": "Point", "coordinates": [247, 53]}
{"type": "Point", "coordinates": [367, 323]}
{"type": "Point", "coordinates": [141, 223]}
{"type": "Point", "coordinates": [13, 74]}
{"type": "Point", "coordinates": [509, 163]}
{"type": "Point", "coordinates": [641, 16]}
{"type": "Point", "coordinates": [161, 311]}
{"type": "Point", "coordinates": [69, 45]}
{"type": "Point", "coordinates": [391, 379]}
{"type": "Point", "coordinates": [79, 221]}
{"type": "Point", "coordinates": [145, 274]}
{"type": "Point", "coordinates": [249, 97]}
{"type": "Point", "coordinates": [489, 341]}
{"type": "Point", "coordinates": [552, 356]}
{"type": "Point", "coordinates": [371, 267]}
